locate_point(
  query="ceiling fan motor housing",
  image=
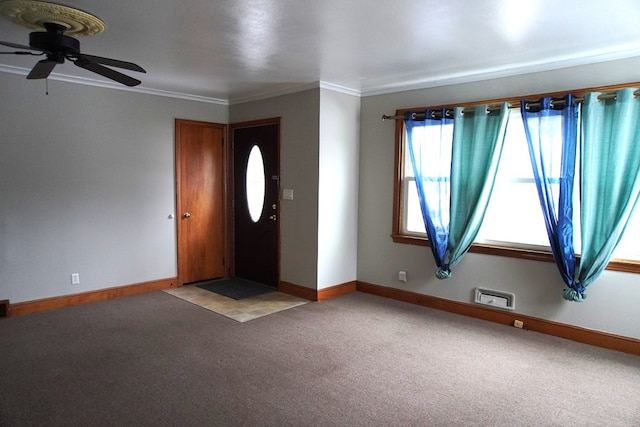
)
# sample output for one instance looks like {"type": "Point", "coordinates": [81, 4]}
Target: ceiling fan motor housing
{"type": "Point", "coordinates": [54, 42]}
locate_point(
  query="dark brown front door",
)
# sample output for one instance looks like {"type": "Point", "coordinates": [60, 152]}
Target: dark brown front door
{"type": "Point", "coordinates": [256, 204]}
{"type": "Point", "coordinates": [200, 202]}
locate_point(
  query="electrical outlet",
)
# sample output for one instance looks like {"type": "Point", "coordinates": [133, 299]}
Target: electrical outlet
{"type": "Point", "coordinates": [75, 279]}
{"type": "Point", "coordinates": [518, 324]}
{"type": "Point", "coordinates": [402, 276]}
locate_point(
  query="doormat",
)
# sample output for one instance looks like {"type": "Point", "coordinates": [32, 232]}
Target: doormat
{"type": "Point", "coordinates": [235, 288]}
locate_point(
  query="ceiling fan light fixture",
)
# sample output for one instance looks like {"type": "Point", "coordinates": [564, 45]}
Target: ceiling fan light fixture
{"type": "Point", "coordinates": [34, 14]}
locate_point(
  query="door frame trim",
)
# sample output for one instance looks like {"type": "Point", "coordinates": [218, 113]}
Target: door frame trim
{"type": "Point", "coordinates": [225, 195]}
{"type": "Point", "coordinates": [231, 188]}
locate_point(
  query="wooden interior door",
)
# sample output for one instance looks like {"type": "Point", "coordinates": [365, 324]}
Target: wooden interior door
{"type": "Point", "coordinates": [200, 175]}
{"type": "Point", "coordinates": [256, 231]}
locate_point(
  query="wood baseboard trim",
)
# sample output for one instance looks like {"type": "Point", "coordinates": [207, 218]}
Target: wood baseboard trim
{"type": "Point", "coordinates": [298, 291]}
{"type": "Point", "coordinates": [574, 333]}
{"type": "Point", "coordinates": [338, 290]}
{"type": "Point", "coordinates": [315, 295]}
{"type": "Point", "coordinates": [29, 307]}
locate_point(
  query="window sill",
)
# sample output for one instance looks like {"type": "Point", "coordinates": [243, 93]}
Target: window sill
{"type": "Point", "coordinates": [615, 265]}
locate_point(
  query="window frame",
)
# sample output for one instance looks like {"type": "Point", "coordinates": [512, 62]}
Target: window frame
{"type": "Point", "coordinates": [398, 234]}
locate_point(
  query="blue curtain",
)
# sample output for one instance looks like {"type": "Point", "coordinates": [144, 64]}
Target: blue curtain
{"type": "Point", "coordinates": [429, 141]}
{"type": "Point", "coordinates": [455, 180]}
{"type": "Point", "coordinates": [552, 137]}
{"type": "Point", "coordinates": [610, 171]}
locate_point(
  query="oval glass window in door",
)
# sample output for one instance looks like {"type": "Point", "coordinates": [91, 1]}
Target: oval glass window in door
{"type": "Point", "coordinates": [255, 183]}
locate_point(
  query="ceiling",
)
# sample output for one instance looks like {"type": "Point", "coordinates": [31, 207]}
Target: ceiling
{"type": "Point", "coordinates": [237, 50]}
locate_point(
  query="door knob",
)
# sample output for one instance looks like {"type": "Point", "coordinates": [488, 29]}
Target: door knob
{"type": "Point", "coordinates": [186, 215]}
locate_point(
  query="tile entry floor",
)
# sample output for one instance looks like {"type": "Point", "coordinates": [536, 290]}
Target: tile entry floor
{"type": "Point", "coordinates": [239, 310]}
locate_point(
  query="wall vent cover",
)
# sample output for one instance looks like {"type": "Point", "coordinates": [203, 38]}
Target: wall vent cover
{"type": "Point", "coordinates": [493, 298]}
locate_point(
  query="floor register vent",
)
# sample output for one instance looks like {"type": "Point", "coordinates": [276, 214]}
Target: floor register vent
{"type": "Point", "coordinates": [495, 298]}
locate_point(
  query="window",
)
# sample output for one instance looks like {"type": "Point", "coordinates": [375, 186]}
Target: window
{"type": "Point", "coordinates": [255, 184]}
{"type": "Point", "coordinates": [513, 224]}
{"type": "Point", "coordinates": [514, 217]}
{"type": "Point", "coordinates": [414, 222]}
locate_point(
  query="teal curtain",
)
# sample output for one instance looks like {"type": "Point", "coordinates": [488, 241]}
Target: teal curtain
{"type": "Point", "coordinates": [610, 171]}
{"type": "Point", "coordinates": [478, 138]}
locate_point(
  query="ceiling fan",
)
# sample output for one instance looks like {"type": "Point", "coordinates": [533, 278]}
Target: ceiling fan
{"type": "Point", "coordinates": [57, 21]}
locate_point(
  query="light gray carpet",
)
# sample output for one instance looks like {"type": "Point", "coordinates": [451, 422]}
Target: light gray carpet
{"type": "Point", "coordinates": [357, 360]}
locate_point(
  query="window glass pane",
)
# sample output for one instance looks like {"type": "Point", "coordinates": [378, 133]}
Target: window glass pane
{"type": "Point", "coordinates": [408, 164]}
{"type": "Point", "coordinates": [628, 248]}
{"type": "Point", "coordinates": [514, 216]}
{"type": "Point", "coordinates": [413, 222]}
{"type": "Point", "coordinates": [439, 147]}
{"type": "Point", "coordinates": [433, 145]}
{"type": "Point", "coordinates": [255, 183]}
{"type": "Point", "coordinates": [515, 161]}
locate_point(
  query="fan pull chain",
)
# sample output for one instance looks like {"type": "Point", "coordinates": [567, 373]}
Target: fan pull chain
{"type": "Point", "coordinates": [46, 82]}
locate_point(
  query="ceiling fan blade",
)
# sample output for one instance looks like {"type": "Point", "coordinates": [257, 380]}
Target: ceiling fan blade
{"type": "Point", "coordinates": [22, 53]}
{"type": "Point", "coordinates": [113, 63]}
{"type": "Point", "coordinates": [19, 46]}
{"type": "Point", "coordinates": [42, 69]}
{"type": "Point", "coordinates": [108, 73]}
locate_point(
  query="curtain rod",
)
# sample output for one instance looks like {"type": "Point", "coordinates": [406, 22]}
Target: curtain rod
{"type": "Point", "coordinates": [495, 107]}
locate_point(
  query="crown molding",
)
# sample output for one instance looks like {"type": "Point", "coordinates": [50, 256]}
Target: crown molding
{"type": "Point", "coordinates": [409, 83]}
{"type": "Point", "coordinates": [294, 88]}
{"type": "Point", "coordinates": [340, 89]}
{"type": "Point", "coordinates": [99, 83]}
{"type": "Point", "coordinates": [399, 84]}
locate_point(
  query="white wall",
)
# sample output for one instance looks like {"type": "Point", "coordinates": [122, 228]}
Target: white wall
{"type": "Point", "coordinates": [338, 188]}
{"type": "Point", "coordinates": [299, 130]}
{"type": "Point", "coordinates": [612, 305]}
{"type": "Point", "coordinates": [86, 186]}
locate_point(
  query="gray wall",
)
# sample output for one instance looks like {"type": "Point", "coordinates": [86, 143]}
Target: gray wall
{"type": "Point", "coordinates": [86, 186]}
{"type": "Point", "coordinates": [319, 162]}
{"type": "Point", "coordinates": [87, 183]}
{"type": "Point", "coordinates": [299, 145]}
{"type": "Point", "coordinates": [612, 305]}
